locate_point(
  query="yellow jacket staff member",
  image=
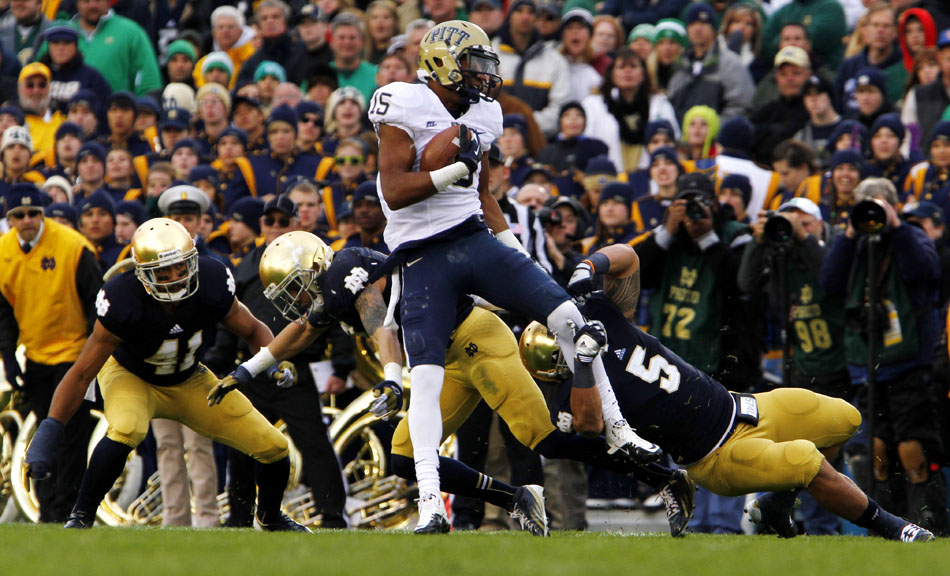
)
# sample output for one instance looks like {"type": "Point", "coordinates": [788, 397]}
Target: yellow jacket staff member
{"type": "Point", "coordinates": [49, 279]}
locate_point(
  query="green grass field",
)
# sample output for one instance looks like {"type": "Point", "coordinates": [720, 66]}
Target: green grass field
{"type": "Point", "coordinates": [32, 549]}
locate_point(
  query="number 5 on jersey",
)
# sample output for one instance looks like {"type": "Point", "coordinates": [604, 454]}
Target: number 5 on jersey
{"type": "Point", "coordinates": [657, 369]}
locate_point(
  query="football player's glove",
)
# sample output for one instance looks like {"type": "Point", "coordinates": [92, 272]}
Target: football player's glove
{"type": "Point", "coordinates": [388, 400]}
{"type": "Point", "coordinates": [12, 370]}
{"type": "Point", "coordinates": [470, 149]}
{"type": "Point", "coordinates": [284, 373]}
{"type": "Point", "coordinates": [240, 377]}
{"type": "Point", "coordinates": [581, 284]}
{"type": "Point", "coordinates": [42, 451]}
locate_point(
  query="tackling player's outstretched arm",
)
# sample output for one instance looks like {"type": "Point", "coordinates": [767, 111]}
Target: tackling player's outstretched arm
{"type": "Point", "coordinates": [246, 326]}
{"type": "Point", "coordinates": [400, 185]}
{"type": "Point", "coordinates": [294, 339]}
{"type": "Point", "coordinates": [622, 281]}
{"type": "Point", "coordinates": [72, 388]}
{"type": "Point", "coordinates": [372, 310]}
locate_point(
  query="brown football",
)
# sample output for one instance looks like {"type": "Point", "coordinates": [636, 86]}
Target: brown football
{"type": "Point", "coordinates": [441, 150]}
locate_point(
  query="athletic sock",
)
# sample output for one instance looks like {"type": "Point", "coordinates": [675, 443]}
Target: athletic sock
{"type": "Point", "coordinates": [457, 478]}
{"type": "Point", "coordinates": [271, 482]}
{"type": "Point", "coordinates": [881, 521]}
{"type": "Point", "coordinates": [783, 500]}
{"type": "Point", "coordinates": [105, 466]}
{"type": "Point", "coordinates": [593, 451]}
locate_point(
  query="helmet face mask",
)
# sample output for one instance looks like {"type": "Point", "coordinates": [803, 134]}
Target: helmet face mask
{"type": "Point", "coordinates": [297, 296]}
{"type": "Point", "coordinates": [289, 269]}
{"type": "Point", "coordinates": [458, 55]}
{"type": "Point", "coordinates": [166, 260]}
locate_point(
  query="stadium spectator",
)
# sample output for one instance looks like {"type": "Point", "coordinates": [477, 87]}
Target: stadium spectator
{"type": "Point", "coordinates": [882, 52]}
{"type": "Point", "coordinates": [277, 44]}
{"type": "Point", "coordinates": [180, 62]}
{"type": "Point", "coordinates": [571, 149]}
{"type": "Point", "coordinates": [120, 121]}
{"type": "Point", "coordinates": [823, 119]}
{"type": "Point", "coordinates": [33, 96]}
{"type": "Point", "coordinates": [824, 21]}
{"type": "Point", "coordinates": [633, 13]}
{"type": "Point", "coordinates": [781, 118]}
{"type": "Point", "coordinates": [532, 69]}
{"type": "Point", "coordinates": [707, 74]}
{"type": "Point", "coordinates": [924, 105]}
{"type": "Point", "coordinates": [348, 40]}
{"type": "Point", "coordinates": [670, 39]}
{"type": "Point", "coordinates": [488, 15]}
{"type": "Point", "coordinates": [577, 26]}
{"type": "Point", "coordinates": [32, 292]}
{"type": "Point", "coordinates": [117, 47]}
{"type": "Point", "coordinates": [22, 28]}
{"type": "Point", "coordinates": [624, 105]}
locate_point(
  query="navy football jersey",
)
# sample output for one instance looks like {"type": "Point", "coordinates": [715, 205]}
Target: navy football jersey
{"type": "Point", "coordinates": [159, 346]}
{"type": "Point", "coordinates": [666, 399]}
{"type": "Point", "coordinates": [346, 277]}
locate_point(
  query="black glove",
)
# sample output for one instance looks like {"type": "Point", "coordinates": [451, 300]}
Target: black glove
{"type": "Point", "coordinates": [12, 370]}
{"type": "Point", "coordinates": [388, 400]}
{"type": "Point", "coordinates": [42, 451]}
{"type": "Point", "coordinates": [470, 149]}
{"type": "Point", "coordinates": [581, 284]}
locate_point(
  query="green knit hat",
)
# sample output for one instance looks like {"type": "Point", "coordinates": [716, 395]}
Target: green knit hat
{"type": "Point", "coordinates": [588, 5]}
{"type": "Point", "coordinates": [670, 28]}
{"type": "Point", "coordinates": [647, 31]}
{"type": "Point", "coordinates": [182, 47]}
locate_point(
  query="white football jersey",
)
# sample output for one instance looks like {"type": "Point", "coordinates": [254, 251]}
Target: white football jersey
{"type": "Point", "coordinates": [417, 110]}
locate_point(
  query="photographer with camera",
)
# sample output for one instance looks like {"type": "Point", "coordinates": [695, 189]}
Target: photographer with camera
{"type": "Point", "coordinates": [785, 262]}
{"type": "Point", "coordinates": [892, 325]}
{"type": "Point", "coordinates": [698, 311]}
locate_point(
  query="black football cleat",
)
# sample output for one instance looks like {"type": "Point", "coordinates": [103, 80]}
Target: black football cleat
{"type": "Point", "coordinates": [528, 508]}
{"type": "Point", "coordinates": [678, 495]}
{"type": "Point", "coordinates": [914, 533]}
{"type": "Point", "coordinates": [80, 520]}
{"type": "Point", "coordinates": [768, 519]}
{"type": "Point", "coordinates": [280, 522]}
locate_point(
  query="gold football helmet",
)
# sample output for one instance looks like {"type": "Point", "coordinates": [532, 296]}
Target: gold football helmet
{"type": "Point", "coordinates": [459, 56]}
{"type": "Point", "coordinates": [157, 246]}
{"type": "Point", "coordinates": [289, 270]}
{"type": "Point", "coordinates": [541, 355]}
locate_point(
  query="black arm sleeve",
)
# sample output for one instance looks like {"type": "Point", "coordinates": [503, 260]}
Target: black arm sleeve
{"type": "Point", "coordinates": [88, 284]}
{"type": "Point", "coordinates": [9, 329]}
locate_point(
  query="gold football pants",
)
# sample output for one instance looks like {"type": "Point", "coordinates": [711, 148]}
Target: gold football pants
{"type": "Point", "coordinates": [782, 452]}
{"type": "Point", "coordinates": [131, 403]}
{"type": "Point", "coordinates": [483, 363]}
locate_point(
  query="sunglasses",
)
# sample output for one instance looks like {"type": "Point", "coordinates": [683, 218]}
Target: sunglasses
{"type": "Point", "coordinates": [348, 160]}
{"type": "Point", "coordinates": [282, 222]}
{"type": "Point", "coordinates": [311, 120]}
{"type": "Point", "coordinates": [21, 214]}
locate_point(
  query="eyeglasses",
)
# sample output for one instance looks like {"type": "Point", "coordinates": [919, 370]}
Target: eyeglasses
{"type": "Point", "coordinates": [348, 160]}
{"type": "Point", "coordinates": [282, 222]}
{"type": "Point", "coordinates": [310, 120]}
{"type": "Point", "coordinates": [19, 215]}
{"type": "Point", "coordinates": [32, 85]}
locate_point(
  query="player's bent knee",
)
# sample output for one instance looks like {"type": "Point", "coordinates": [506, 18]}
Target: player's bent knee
{"type": "Point", "coordinates": [127, 427]}
{"type": "Point", "coordinates": [799, 452]}
{"type": "Point", "coordinates": [276, 448]}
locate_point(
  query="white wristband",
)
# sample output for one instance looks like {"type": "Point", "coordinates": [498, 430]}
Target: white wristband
{"type": "Point", "coordinates": [507, 237]}
{"type": "Point", "coordinates": [393, 371]}
{"type": "Point", "coordinates": [260, 362]}
{"type": "Point", "coordinates": [445, 177]}
{"type": "Point", "coordinates": [707, 240]}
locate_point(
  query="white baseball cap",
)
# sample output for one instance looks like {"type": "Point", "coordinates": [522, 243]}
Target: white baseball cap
{"type": "Point", "coordinates": [802, 205]}
{"type": "Point", "coordinates": [16, 135]}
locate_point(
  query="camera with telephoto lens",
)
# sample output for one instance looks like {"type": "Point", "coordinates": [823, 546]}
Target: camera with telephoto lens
{"type": "Point", "coordinates": [696, 206]}
{"type": "Point", "coordinates": [778, 228]}
{"type": "Point", "coordinates": [869, 216]}
{"type": "Point", "coordinates": [549, 216]}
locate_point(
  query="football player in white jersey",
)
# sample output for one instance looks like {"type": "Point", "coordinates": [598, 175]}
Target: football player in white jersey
{"type": "Point", "coordinates": [440, 226]}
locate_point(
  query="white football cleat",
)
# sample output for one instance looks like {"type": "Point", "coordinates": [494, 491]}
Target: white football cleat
{"type": "Point", "coordinates": [432, 516]}
{"type": "Point", "coordinates": [621, 438]}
